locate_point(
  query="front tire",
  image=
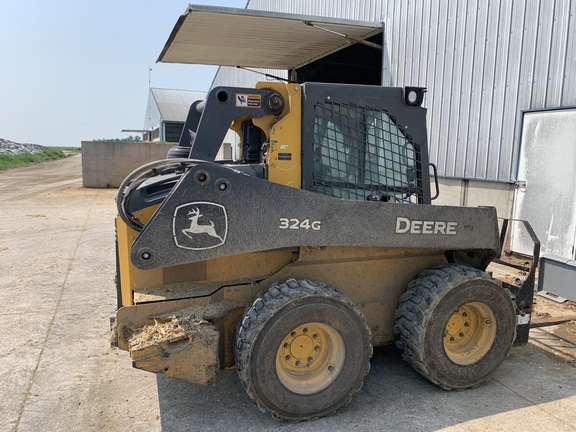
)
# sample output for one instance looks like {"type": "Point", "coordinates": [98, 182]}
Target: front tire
{"type": "Point", "coordinates": [455, 325]}
{"type": "Point", "coordinates": [302, 350]}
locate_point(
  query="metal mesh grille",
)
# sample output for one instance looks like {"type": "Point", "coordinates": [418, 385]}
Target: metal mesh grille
{"type": "Point", "coordinates": [360, 153]}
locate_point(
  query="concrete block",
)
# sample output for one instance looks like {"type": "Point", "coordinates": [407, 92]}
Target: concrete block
{"type": "Point", "coordinates": [106, 164]}
{"type": "Point", "coordinates": [473, 193]}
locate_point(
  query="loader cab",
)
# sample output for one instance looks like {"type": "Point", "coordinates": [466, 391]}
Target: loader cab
{"type": "Point", "coordinates": [354, 142]}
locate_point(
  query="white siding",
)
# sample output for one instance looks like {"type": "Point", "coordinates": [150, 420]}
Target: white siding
{"type": "Point", "coordinates": [153, 118]}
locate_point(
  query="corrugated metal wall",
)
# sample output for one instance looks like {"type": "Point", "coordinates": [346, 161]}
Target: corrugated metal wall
{"type": "Point", "coordinates": [364, 10]}
{"type": "Point", "coordinates": [482, 62]}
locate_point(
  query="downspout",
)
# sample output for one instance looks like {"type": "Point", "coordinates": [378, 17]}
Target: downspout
{"type": "Point", "coordinates": [386, 72]}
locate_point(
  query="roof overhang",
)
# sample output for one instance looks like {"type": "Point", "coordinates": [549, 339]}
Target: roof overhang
{"type": "Point", "coordinates": [252, 38]}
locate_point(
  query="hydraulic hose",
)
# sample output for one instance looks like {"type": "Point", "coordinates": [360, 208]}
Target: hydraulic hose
{"type": "Point", "coordinates": [139, 176]}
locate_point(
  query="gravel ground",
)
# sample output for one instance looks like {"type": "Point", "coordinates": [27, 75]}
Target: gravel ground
{"type": "Point", "coordinates": [58, 373]}
{"type": "Point", "coordinates": [11, 147]}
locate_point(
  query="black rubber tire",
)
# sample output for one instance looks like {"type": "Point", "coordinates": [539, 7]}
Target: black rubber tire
{"type": "Point", "coordinates": [274, 315]}
{"type": "Point", "coordinates": [424, 312]}
{"type": "Point", "coordinates": [178, 152]}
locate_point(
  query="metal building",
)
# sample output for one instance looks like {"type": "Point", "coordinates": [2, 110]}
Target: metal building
{"type": "Point", "coordinates": [487, 67]}
{"type": "Point", "coordinates": [166, 113]}
{"type": "Point", "coordinates": [482, 62]}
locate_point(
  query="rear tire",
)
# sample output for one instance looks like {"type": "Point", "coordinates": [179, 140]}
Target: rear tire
{"type": "Point", "coordinates": [455, 326]}
{"type": "Point", "coordinates": [302, 350]}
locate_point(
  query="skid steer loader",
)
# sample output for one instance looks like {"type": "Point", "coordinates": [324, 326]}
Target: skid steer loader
{"type": "Point", "coordinates": [317, 244]}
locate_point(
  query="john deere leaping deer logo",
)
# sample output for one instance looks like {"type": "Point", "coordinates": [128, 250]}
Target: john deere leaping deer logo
{"type": "Point", "coordinates": [200, 225]}
{"type": "Point", "coordinates": [196, 229]}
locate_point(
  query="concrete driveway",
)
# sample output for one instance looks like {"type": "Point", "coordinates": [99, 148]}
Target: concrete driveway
{"type": "Point", "coordinates": [58, 373]}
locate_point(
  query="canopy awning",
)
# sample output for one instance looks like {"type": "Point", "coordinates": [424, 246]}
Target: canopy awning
{"type": "Point", "coordinates": [252, 38]}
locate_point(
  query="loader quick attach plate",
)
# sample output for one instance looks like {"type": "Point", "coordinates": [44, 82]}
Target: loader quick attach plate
{"type": "Point", "coordinates": [216, 212]}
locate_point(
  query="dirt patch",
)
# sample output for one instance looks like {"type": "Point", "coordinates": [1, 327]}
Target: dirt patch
{"type": "Point", "coordinates": [517, 260]}
{"type": "Point", "coordinates": [514, 274]}
{"type": "Point", "coordinates": [567, 331]}
{"type": "Point", "coordinates": [548, 309]}
{"type": "Point", "coordinates": [543, 310]}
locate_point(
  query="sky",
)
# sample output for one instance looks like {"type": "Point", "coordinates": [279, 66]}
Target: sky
{"type": "Point", "coordinates": [73, 71]}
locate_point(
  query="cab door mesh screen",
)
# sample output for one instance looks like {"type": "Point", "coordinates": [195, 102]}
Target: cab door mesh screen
{"type": "Point", "coordinates": [360, 153]}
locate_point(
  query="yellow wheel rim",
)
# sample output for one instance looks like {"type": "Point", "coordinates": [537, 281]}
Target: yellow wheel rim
{"type": "Point", "coordinates": [310, 358]}
{"type": "Point", "coordinates": [470, 333]}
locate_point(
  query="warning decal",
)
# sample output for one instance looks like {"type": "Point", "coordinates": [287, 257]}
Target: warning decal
{"type": "Point", "coordinates": [248, 100]}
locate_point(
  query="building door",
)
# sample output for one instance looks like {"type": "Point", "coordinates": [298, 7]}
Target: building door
{"type": "Point", "coordinates": [546, 192]}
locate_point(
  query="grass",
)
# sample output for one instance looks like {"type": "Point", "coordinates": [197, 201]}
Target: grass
{"type": "Point", "coordinates": [8, 161]}
{"type": "Point", "coordinates": [74, 150]}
